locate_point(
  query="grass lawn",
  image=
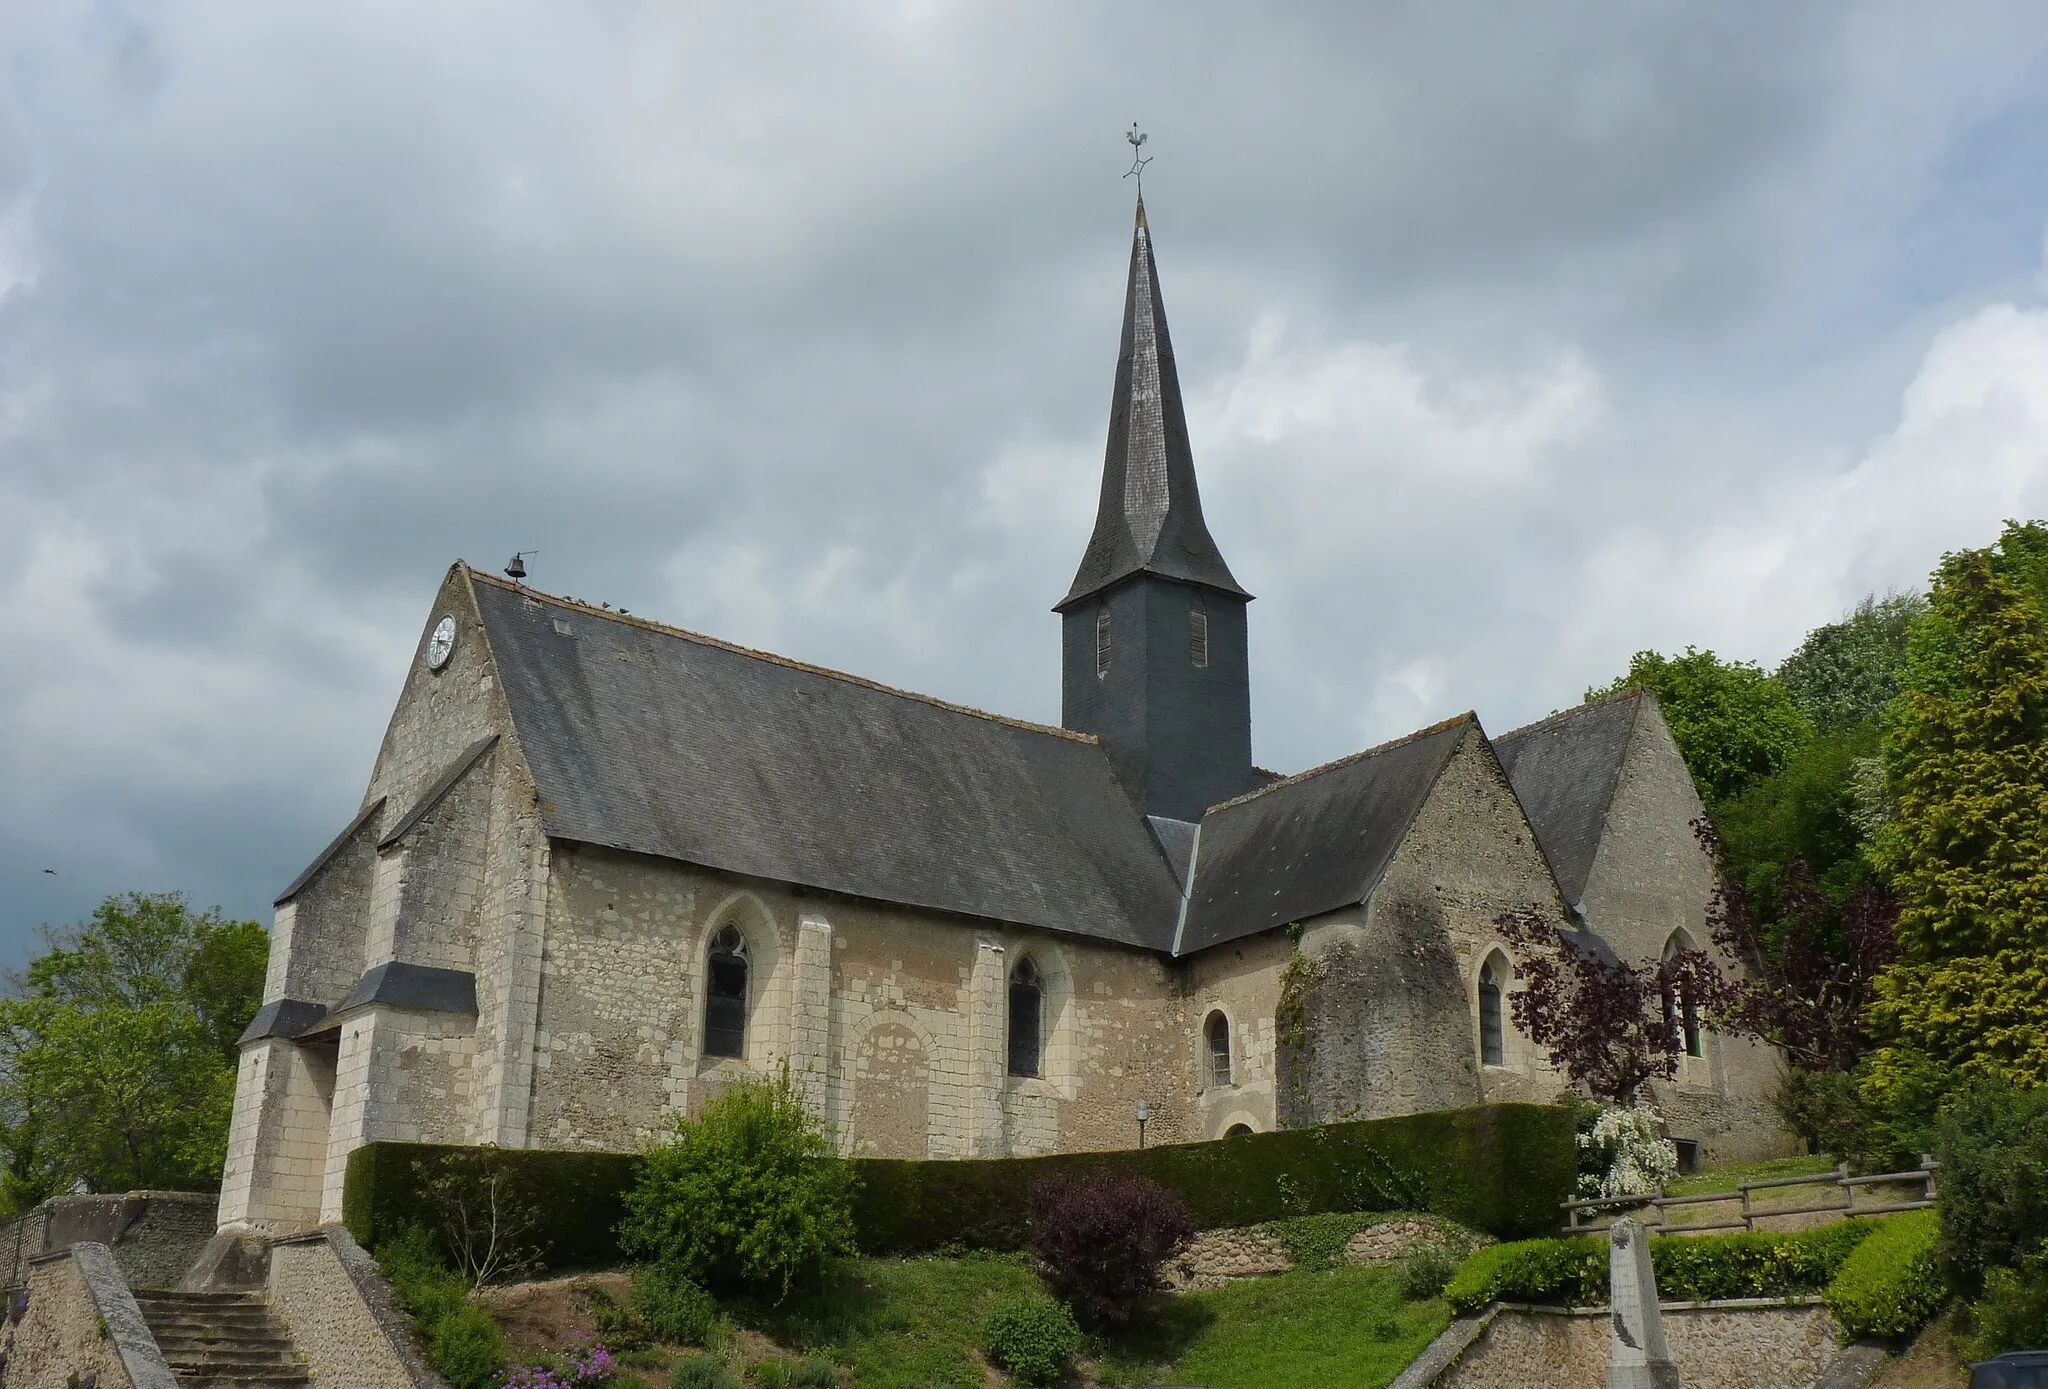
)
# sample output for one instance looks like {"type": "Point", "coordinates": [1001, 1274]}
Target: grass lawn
{"type": "Point", "coordinates": [1725, 1178]}
{"type": "Point", "coordinates": [1348, 1328]}
{"type": "Point", "coordinates": [899, 1323]}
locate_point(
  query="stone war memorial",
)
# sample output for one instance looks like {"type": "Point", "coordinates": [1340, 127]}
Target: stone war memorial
{"type": "Point", "coordinates": [602, 865]}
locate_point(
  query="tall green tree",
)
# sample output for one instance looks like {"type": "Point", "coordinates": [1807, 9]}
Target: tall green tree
{"type": "Point", "coordinates": [1733, 722]}
{"type": "Point", "coordinates": [117, 1049]}
{"type": "Point", "coordinates": [1967, 853]}
{"type": "Point", "coordinates": [1845, 673]}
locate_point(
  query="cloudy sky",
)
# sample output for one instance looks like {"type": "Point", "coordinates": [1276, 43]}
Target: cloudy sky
{"type": "Point", "coordinates": [1516, 338]}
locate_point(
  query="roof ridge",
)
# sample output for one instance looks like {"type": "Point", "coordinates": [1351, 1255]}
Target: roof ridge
{"type": "Point", "coordinates": [1558, 716]}
{"type": "Point", "coordinates": [664, 629]}
{"type": "Point", "coordinates": [1469, 716]}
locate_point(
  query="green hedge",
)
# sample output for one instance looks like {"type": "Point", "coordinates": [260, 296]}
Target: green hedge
{"type": "Point", "coordinates": [1893, 1282]}
{"type": "Point", "coordinates": [1689, 1268]}
{"type": "Point", "coordinates": [1498, 1168]}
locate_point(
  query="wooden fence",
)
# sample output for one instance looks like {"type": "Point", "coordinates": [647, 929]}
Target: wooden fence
{"type": "Point", "coordinates": [1583, 1217]}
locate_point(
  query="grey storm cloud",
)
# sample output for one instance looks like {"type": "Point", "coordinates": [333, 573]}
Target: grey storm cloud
{"type": "Point", "coordinates": [1515, 338]}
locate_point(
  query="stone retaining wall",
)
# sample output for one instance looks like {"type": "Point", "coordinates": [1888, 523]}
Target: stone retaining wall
{"type": "Point", "coordinates": [341, 1315]}
{"type": "Point", "coordinates": [1215, 1257]}
{"type": "Point", "coordinates": [82, 1320]}
{"type": "Point", "coordinates": [154, 1235]}
{"type": "Point", "coordinates": [1746, 1344]}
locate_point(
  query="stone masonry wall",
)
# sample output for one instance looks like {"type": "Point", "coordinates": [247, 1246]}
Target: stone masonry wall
{"type": "Point", "coordinates": [1727, 1345]}
{"type": "Point", "coordinates": [1241, 980]}
{"type": "Point", "coordinates": [1391, 1021]}
{"type": "Point", "coordinates": [61, 1335]}
{"type": "Point", "coordinates": [1652, 879]}
{"type": "Point", "coordinates": [341, 1316]}
{"type": "Point", "coordinates": [909, 1057]}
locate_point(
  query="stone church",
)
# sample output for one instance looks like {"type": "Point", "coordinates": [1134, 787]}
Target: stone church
{"type": "Point", "coordinates": [602, 865]}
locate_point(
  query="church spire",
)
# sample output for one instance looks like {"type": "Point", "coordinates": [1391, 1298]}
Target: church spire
{"type": "Point", "coordinates": [1150, 518]}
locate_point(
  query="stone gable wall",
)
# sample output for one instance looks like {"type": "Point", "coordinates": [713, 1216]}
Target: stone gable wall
{"type": "Point", "coordinates": [1391, 1022]}
{"type": "Point", "coordinates": [1651, 879]}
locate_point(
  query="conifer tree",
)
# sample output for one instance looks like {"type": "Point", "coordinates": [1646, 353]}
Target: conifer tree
{"type": "Point", "coordinates": [1967, 854]}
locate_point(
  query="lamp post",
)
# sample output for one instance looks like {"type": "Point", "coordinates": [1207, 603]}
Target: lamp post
{"type": "Point", "coordinates": [1144, 1115]}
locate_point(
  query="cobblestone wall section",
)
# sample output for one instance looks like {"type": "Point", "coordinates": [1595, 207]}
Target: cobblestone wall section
{"type": "Point", "coordinates": [341, 1315]}
{"type": "Point", "coordinates": [1726, 1345]}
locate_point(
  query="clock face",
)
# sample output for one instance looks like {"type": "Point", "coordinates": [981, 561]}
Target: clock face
{"type": "Point", "coordinates": [441, 643]}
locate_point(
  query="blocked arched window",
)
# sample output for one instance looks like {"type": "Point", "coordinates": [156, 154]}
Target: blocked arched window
{"type": "Point", "coordinates": [1027, 1012]}
{"type": "Point", "coordinates": [725, 994]}
{"type": "Point", "coordinates": [1493, 978]}
{"type": "Point", "coordinates": [1237, 1130]}
{"type": "Point", "coordinates": [1681, 1009]}
{"type": "Point", "coordinates": [1216, 1032]}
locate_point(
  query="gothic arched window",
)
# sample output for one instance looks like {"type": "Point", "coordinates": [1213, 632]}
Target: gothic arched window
{"type": "Point", "coordinates": [1492, 981]}
{"type": "Point", "coordinates": [725, 995]}
{"type": "Point", "coordinates": [1681, 1009]}
{"type": "Point", "coordinates": [1027, 1007]}
{"type": "Point", "coordinates": [1217, 1032]}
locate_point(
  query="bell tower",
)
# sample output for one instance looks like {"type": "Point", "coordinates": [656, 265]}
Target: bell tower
{"type": "Point", "coordinates": [1154, 656]}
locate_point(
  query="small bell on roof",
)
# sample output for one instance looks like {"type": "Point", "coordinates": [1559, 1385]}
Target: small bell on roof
{"type": "Point", "coordinates": [516, 570]}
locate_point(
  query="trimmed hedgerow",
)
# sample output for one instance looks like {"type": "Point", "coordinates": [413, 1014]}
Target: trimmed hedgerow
{"type": "Point", "coordinates": [1569, 1272]}
{"type": "Point", "coordinates": [1893, 1282]}
{"type": "Point", "coordinates": [1689, 1268]}
{"type": "Point", "coordinates": [579, 1196]}
{"type": "Point", "coordinates": [1498, 1168]}
{"type": "Point", "coordinates": [1705, 1268]}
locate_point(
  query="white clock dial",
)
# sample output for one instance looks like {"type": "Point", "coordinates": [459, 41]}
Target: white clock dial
{"type": "Point", "coordinates": [441, 643]}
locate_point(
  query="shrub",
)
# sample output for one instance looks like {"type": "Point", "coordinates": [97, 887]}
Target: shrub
{"type": "Point", "coordinates": [1572, 1272]}
{"type": "Point", "coordinates": [1102, 1239]}
{"type": "Point", "coordinates": [794, 1374]}
{"type": "Point", "coordinates": [621, 1327]}
{"type": "Point", "coordinates": [1893, 1281]}
{"type": "Point", "coordinates": [672, 1308]}
{"type": "Point", "coordinates": [1034, 1338]}
{"type": "Point", "coordinates": [486, 1222]}
{"type": "Point", "coordinates": [1701, 1268]}
{"type": "Point", "coordinates": [1993, 1146]}
{"type": "Point", "coordinates": [2013, 1312]}
{"type": "Point", "coordinates": [463, 1344]}
{"type": "Point", "coordinates": [1635, 1159]}
{"type": "Point", "coordinates": [1319, 1241]}
{"type": "Point", "coordinates": [750, 1196]}
{"type": "Point", "coordinates": [1426, 1271]}
{"type": "Point", "coordinates": [701, 1372]}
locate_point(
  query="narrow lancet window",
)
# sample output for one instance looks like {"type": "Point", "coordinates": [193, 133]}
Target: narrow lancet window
{"type": "Point", "coordinates": [1027, 1007]}
{"type": "Point", "coordinates": [1198, 636]}
{"type": "Point", "coordinates": [1681, 1009]}
{"type": "Point", "coordinates": [1218, 1033]}
{"type": "Point", "coordinates": [725, 995]}
{"type": "Point", "coordinates": [1102, 643]}
{"type": "Point", "coordinates": [1491, 977]}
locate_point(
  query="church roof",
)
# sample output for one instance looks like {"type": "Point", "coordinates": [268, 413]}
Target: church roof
{"type": "Point", "coordinates": [658, 741]}
{"type": "Point", "coordinates": [1149, 520]}
{"type": "Point", "coordinates": [1311, 843]}
{"type": "Point", "coordinates": [1564, 770]}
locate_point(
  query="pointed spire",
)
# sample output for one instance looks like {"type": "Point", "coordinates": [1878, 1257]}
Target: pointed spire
{"type": "Point", "coordinates": [1150, 518]}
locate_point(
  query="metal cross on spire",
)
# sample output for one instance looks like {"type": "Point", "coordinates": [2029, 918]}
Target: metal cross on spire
{"type": "Point", "coordinates": [1137, 138]}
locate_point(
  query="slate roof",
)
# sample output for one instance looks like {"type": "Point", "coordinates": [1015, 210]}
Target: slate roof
{"type": "Point", "coordinates": [1564, 769]}
{"type": "Point", "coordinates": [650, 739]}
{"type": "Point", "coordinates": [1311, 843]}
{"type": "Point", "coordinates": [1149, 520]}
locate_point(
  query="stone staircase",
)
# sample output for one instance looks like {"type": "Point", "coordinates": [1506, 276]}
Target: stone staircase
{"type": "Point", "coordinates": [222, 1340]}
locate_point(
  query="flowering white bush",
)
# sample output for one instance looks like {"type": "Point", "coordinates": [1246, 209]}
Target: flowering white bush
{"type": "Point", "coordinates": [1639, 1162]}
